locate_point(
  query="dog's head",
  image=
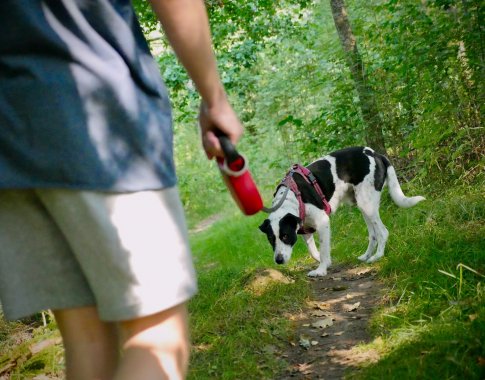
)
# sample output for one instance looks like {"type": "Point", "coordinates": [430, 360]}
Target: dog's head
{"type": "Point", "coordinates": [282, 235]}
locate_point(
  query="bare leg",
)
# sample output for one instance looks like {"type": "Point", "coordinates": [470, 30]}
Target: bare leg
{"type": "Point", "coordinates": [91, 345]}
{"type": "Point", "coordinates": [155, 347]}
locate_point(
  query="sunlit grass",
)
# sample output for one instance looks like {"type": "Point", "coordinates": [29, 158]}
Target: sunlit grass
{"type": "Point", "coordinates": [429, 325]}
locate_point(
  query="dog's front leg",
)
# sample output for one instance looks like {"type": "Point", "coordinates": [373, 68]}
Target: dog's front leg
{"type": "Point", "coordinates": [312, 247]}
{"type": "Point", "coordinates": [324, 239]}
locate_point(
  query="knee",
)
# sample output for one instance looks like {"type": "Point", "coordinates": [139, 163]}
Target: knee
{"type": "Point", "coordinates": [163, 336]}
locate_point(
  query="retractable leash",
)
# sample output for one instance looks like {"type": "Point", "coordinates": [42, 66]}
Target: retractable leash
{"type": "Point", "coordinates": [238, 179]}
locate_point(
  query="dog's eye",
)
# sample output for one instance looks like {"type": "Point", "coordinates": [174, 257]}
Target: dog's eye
{"type": "Point", "coordinates": [284, 238]}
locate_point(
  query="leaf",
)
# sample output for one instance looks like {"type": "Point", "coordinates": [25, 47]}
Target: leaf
{"type": "Point", "coordinates": [305, 368]}
{"type": "Point", "coordinates": [319, 305]}
{"type": "Point", "coordinates": [351, 307]}
{"type": "Point", "coordinates": [319, 313]}
{"type": "Point", "coordinates": [304, 341]}
{"type": "Point", "coordinates": [323, 323]}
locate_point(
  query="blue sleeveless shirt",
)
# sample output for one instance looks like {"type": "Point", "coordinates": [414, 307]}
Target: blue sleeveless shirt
{"type": "Point", "coordinates": [82, 104]}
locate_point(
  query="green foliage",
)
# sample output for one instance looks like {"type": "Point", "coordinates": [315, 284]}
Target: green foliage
{"type": "Point", "coordinates": [424, 61]}
{"type": "Point", "coordinates": [433, 322]}
{"type": "Point", "coordinates": [285, 72]}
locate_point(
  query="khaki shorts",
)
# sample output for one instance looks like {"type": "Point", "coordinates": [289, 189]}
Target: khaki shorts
{"type": "Point", "coordinates": [128, 253]}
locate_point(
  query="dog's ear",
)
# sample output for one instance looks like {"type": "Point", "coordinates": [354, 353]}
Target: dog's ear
{"type": "Point", "coordinates": [293, 220]}
{"type": "Point", "coordinates": [265, 226]}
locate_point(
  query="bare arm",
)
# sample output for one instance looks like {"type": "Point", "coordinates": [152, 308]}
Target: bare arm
{"type": "Point", "coordinates": [186, 24]}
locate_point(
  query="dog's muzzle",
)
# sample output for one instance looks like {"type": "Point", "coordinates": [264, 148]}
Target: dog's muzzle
{"type": "Point", "coordinates": [279, 259]}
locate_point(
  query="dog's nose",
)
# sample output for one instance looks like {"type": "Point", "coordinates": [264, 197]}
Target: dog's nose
{"type": "Point", "coordinates": [279, 259]}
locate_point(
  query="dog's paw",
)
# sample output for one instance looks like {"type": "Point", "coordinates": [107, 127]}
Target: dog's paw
{"type": "Point", "coordinates": [364, 258]}
{"type": "Point", "coordinates": [319, 272]}
{"type": "Point", "coordinates": [372, 259]}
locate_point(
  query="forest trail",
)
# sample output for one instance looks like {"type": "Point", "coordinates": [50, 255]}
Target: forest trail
{"type": "Point", "coordinates": [333, 324]}
{"type": "Point", "coordinates": [205, 223]}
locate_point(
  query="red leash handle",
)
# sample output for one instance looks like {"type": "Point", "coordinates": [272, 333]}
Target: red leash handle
{"type": "Point", "coordinates": [237, 177]}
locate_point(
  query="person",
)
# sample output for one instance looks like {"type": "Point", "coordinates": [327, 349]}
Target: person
{"type": "Point", "coordinates": [91, 223]}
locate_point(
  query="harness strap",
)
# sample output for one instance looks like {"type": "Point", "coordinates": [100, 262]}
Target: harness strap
{"type": "Point", "coordinates": [308, 176]}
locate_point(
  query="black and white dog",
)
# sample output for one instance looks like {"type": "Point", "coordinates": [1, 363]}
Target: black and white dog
{"type": "Point", "coordinates": [353, 175]}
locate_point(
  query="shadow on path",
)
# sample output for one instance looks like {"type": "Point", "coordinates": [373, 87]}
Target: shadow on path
{"type": "Point", "coordinates": [333, 325]}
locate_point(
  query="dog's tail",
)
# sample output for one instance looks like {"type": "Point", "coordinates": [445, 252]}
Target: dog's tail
{"type": "Point", "coordinates": [396, 193]}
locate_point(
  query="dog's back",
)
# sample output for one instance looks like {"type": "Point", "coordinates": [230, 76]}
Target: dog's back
{"type": "Point", "coordinates": [358, 172]}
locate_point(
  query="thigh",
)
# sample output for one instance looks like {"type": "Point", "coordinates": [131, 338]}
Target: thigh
{"type": "Point", "coordinates": [132, 247]}
{"type": "Point", "coordinates": [37, 268]}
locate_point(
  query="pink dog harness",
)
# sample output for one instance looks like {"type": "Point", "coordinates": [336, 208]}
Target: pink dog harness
{"type": "Point", "coordinates": [308, 176]}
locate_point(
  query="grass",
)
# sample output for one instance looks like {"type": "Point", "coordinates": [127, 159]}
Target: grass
{"type": "Point", "coordinates": [18, 346]}
{"type": "Point", "coordinates": [235, 331]}
{"type": "Point", "coordinates": [430, 324]}
{"type": "Point", "coordinates": [433, 323]}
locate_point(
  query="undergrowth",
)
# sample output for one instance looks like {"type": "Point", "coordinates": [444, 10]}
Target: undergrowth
{"type": "Point", "coordinates": [429, 325]}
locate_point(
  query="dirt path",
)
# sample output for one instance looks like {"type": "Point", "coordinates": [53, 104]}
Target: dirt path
{"type": "Point", "coordinates": [205, 224]}
{"type": "Point", "coordinates": [333, 324]}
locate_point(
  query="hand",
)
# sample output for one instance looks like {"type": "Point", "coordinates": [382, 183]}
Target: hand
{"type": "Point", "coordinates": [218, 116]}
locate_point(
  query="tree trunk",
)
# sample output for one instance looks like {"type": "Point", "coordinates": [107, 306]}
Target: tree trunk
{"type": "Point", "coordinates": [374, 137]}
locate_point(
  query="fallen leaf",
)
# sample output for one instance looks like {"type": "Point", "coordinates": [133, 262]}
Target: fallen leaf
{"type": "Point", "coordinates": [314, 342]}
{"type": "Point", "coordinates": [481, 361]}
{"type": "Point", "coordinates": [319, 313]}
{"type": "Point", "coordinates": [305, 368]}
{"type": "Point", "coordinates": [324, 335]}
{"type": "Point", "coordinates": [306, 325]}
{"type": "Point", "coordinates": [319, 305]}
{"type": "Point", "coordinates": [304, 342]}
{"type": "Point", "coordinates": [203, 347]}
{"type": "Point", "coordinates": [339, 333]}
{"type": "Point", "coordinates": [351, 307]}
{"type": "Point", "coordinates": [339, 288]}
{"type": "Point", "coordinates": [366, 285]}
{"type": "Point", "coordinates": [323, 323]}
